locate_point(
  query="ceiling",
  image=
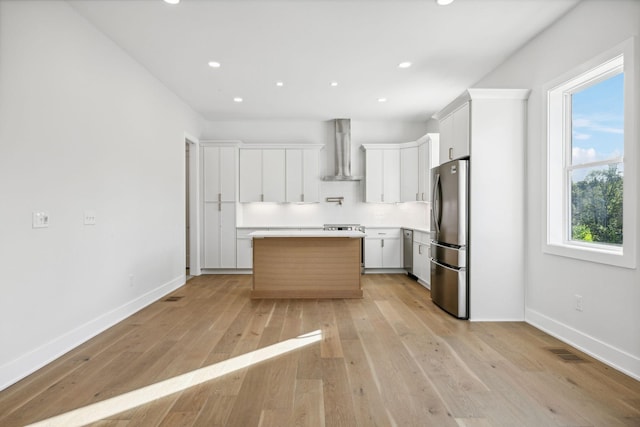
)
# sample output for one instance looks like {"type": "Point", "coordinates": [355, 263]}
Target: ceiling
{"type": "Point", "coordinates": [307, 44]}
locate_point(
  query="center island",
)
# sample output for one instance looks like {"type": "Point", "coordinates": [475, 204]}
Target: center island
{"type": "Point", "coordinates": [306, 264]}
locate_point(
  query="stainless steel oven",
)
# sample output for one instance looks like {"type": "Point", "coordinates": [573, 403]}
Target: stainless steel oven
{"type": "Point", "coordinates": [350, 227]}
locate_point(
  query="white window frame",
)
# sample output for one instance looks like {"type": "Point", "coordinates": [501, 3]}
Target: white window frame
{"type": "Point", "coordinates": [557, 113]}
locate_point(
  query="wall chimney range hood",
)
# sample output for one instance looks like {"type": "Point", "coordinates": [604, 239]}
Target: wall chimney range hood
{"type": "Point", "coordinates": [342, 152]}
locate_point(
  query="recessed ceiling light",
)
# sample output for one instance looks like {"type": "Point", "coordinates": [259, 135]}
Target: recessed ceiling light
{"type": "Point", "coordinates": [405, 64]}
{"type": "Point", "coordinates": [382, 99]}
{"type": "Point", "coordinates": [334, 84]}
{"type": "Point", "coordinates": [237, 99]}
{"type": "Point", "coordinates": [214, 64]}
{"type": "Point", "coordinates": [279, 84]}
{"type": "Point", "coordinates": [172, 1]}
{"type": "Point", "coordinates": [444, 2]}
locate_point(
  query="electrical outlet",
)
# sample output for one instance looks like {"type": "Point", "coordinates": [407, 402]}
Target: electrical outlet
{"type": "Point", "coordinates": [40, 219]}
{"type": "Point", "coordinates": [579, 306]}
{"type": "Point", "coordinates": [89, 218]}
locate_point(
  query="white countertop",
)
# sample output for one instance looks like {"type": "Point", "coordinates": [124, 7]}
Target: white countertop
{"type": "Point", "coordinates": [305, 233]}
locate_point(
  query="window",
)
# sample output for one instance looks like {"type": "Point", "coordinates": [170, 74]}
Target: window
{"type": "Point", "coordinates": [591, 161]}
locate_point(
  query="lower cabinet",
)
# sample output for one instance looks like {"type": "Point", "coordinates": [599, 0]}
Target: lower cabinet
{"type": "Point", "coordinates": [383, 248]}
{"type": "Point", "coordinates": [219, 243]}
{"type": "Point", "coordinates": [421, 248]}
{"type": "Point", "coordinates": [244, 247]}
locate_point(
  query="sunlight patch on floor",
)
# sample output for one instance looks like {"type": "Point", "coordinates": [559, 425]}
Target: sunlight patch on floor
{"type": "Point", "coordinates": [100, 410]}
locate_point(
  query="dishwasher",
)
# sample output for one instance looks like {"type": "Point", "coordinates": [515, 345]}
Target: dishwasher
{"type": "Point", "coordinates": [407, 250]}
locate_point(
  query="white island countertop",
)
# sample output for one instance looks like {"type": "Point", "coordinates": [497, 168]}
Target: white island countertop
{"type": "Point", "coordinates": [306, 233]}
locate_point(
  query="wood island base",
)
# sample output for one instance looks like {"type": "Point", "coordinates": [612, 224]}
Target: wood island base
{"type": "Point", "coordinates": [306, 267]}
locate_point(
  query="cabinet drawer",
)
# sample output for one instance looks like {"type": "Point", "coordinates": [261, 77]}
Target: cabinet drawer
{"type": "Point", "coordinates": [384, 233]}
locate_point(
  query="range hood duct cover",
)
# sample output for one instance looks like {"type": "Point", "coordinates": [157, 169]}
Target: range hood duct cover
{"type": "Point", "coordinates": [342, 152]}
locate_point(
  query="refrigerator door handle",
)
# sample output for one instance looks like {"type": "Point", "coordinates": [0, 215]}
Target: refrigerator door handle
{"type": "Point", "coordinates": [446, 266]}
{"type": "Point", "coordinates": [435, 203]}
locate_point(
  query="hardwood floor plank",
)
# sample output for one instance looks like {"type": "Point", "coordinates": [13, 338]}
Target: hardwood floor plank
{"type": "Point", "coordinates": [308, 405]}
{"type": "Point", "coordinates": [369, 407]}
{"type": "Point", "coordinates": [330, 344]}
{"type": "Point", "coordinates": [338, 405]}
{"type": "Point", "coordinates": [309, 366]}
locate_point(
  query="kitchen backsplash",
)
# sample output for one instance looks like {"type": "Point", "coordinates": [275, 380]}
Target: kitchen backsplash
{"type": "Point", "coordinates": [352, 210]}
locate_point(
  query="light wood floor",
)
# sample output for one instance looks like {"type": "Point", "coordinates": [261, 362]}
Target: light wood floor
{"type": "Point", "coordinates": [391, 358]}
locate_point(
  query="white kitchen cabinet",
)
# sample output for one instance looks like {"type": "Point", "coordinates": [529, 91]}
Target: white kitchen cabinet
{"type": "Point", "coordinates": [421, 249]}
{"type": "Point", "coordinates": [250, 175]}
{"type": "Point", "coordinates": [302, 175]}
{"type": "Point", "coordinates": [455, 133]}
{"type": "Point", "coordinates": [383, 248]}
{"type": "Point", "coordinates": [219, 172]}
{"type": "Point", "coordinates": [382, 181]}
{"type": "Point", "coordinates": [409, 174]}
{"type": "Point", "coordinates": [244, 247]}
{"type": "Point", "coordinates": [219, 242]}
{"type": "Point", "coordinates": [428, 158]}
{"type": "Point", "coordinates": [273, 175]}
{"type": "Point", "coordinates": [262, 175]}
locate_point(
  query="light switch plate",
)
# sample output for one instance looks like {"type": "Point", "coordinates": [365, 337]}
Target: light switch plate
{"type": "Point", "coordinates": [90, 218]}
{"type": "Point", "coordinates": [40, 219]}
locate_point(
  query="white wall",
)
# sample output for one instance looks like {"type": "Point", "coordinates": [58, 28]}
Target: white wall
{"type": "Point", "coordinates": [609, 326]}
{"type": "Point", "coordinates": [353, 209]}
{"type": "Point", "coordinates": [83, 127]}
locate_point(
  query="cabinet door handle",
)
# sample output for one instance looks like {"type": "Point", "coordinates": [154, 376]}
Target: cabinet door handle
{"type": "Point", "coordinates": [262, 197]}
{"type": "Point", "coordinates": [382, 243]}
{"type": "Point", "coordinates": [382, 197]}
{"type": "Point", "coordinates": [450, 153]}
{"type": "Point", "coordinates": [423, 199]}
{"type": "Point", "coordinates": [219, 206]}
{"type": "Point", "coordinates": [219, 197]}
{"type": "Point", "coordinates": [420, 249]}
{"type": "Point", "coordinates": [417, 196]}
{"type": "Point", "coordinates": [302, 197]}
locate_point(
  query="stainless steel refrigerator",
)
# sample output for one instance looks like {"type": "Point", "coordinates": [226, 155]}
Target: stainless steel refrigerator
{"type": "Point", "coordinates": [449, 242]}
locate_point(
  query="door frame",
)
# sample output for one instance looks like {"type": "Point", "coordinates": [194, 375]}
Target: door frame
{"type": "Point", "coordinates": [194, 203]}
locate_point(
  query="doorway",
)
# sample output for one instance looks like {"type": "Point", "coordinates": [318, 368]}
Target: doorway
{"type": "Point", "coordinates": [187, 212]}
{"type": "Point", "coordinates": [191, 226]}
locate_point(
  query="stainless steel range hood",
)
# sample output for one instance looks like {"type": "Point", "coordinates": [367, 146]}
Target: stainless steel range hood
{"type": "Point", "coordinates": [342, 152]}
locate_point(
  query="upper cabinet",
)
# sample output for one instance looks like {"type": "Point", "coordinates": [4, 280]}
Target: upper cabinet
{"type": "Point", "coordinates": [382, 181]}
{"type": "Point", "coordinates": [273, 175]}
{"type": "Point", "coordinates": [219, 172]}
{"type": "Point", "coordinates": [262, 175]}
{"type": "Point", "coordinates": [409, 179]}
{"type": "Point", "coordinates": [454, 133]}
{"type": "Point", "coordinates": [280, 174]}
{"type": "Point", "coordinates": [400, 172]}
{"type": "Point", "coordinates": [302, 175]}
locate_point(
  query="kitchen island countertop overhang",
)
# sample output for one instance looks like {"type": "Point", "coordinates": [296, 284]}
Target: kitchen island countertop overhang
{"type": "Point", "coordinates": [306, 233]}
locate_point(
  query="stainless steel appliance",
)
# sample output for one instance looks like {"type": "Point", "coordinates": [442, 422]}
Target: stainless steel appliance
{"type": "Point", "coordinates": [349, 227]}
{"type": "Point", "coordinates": [407, 250]}
{"type": "Point", "coordinates": [449, 244]}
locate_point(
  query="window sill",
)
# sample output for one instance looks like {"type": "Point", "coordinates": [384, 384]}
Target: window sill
{"type": "Point", "coordinates": [610, 256]}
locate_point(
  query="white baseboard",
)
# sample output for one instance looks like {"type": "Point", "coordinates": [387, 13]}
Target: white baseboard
{"type": "Point", "coordinates": [385, 271]}
{"type": "Point", "coordinates": [424, 284]}
{"type": "Point", "coordinates": [225, 271]}
{"type": "Point", "coordinates": [30, 362]}
{"type": "Point", "coordinates": [612, 356]}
